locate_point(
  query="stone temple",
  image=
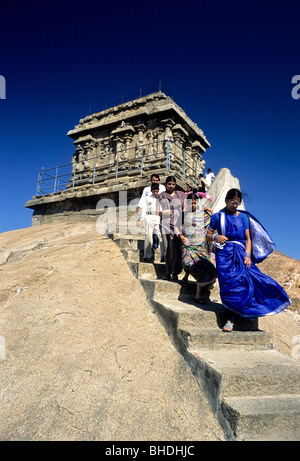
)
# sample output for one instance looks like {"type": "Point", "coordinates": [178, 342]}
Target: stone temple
{"type": "Point", "coordinates": [118, 149]}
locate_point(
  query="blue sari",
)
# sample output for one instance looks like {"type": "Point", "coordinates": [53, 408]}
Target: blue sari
{"type": "Point", "coordinates": [246, 292]}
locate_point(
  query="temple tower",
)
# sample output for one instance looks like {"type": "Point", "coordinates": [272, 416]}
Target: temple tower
{"type": "Point", "coordinates": [116, 150]}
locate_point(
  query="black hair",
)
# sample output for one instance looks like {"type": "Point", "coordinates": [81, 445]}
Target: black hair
{"type": "Point", "coordinates": [170, 178]}
{"type": "Point", "coordinates": [155, 186]}
{"type": "Point", "coordinates": [234, 193]}
{"type": "Point", "coordinates": [155, 176]}
{"type": "Point", "coordinates": [193, 195]}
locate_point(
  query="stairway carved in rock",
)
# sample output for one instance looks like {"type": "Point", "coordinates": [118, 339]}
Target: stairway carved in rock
{"type": "Point", "coordinates": [252, 388]}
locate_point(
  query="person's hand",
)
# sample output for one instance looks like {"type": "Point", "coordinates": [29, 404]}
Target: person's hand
{"type": "Point", "coordinates": [221, 239]}
{"type": "Point", "coordinates": [184, 240]}
{"type": "Point", "coordinates": [247, 261]}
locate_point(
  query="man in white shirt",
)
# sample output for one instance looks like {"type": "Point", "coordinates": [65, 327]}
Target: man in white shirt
{"type": "Point", "coordinates": [209, 177]}
{"type": "Point", "coordinates": [147, 191]}
{"type": "Point", "coordinates": [150, 220]}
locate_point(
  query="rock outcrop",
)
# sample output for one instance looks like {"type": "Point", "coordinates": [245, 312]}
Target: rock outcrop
{"type": "Point", "coordinates": [86, 358]}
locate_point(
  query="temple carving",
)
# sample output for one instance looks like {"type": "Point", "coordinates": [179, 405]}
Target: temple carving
{"type": "Point", "coordinates": [151, 129]}
{"type": "Point", "coordinates": [118, 149]}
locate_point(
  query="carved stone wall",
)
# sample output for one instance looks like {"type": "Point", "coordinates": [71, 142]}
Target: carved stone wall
{"type": "Point", "coordinates": [120, 138]}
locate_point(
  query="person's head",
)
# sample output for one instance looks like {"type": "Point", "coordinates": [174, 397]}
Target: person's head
{"type": "Point", "coordinates": [192, 200]}
{"type": "Point", "coordinates": [170, 184]}
{"type": "Point", "coordinates": [233, 199]}
{"type": "Point", "coordinates": [155, 179]}
{"type": "Point", "coordinates": [208, 170]}
{"type": "Point", "coordinates": [155, 189]}
{"type": "Point", "coordinates": [188, 188]}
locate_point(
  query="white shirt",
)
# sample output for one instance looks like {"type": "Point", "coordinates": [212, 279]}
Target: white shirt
{"type": "Point", "coordinates": [146, 192]}
{"type": "Point", "coordinates": [209, 178]}
{"type": "Point", "coordinates": [149, 209]}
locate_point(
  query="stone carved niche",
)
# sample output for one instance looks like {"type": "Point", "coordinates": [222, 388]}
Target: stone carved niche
{"type": "Point", "coordinates": [188, 156]}
{"type": "Point", "coordinates": [180, 137]}
{"type": "Point", "coordinates": [158, 139]}
{"type": "Point", "coordinates": [122, 138]}
{"type": "Point", "coordinates": [140, 141]}
{"type": "Point", "coordinates": [105, 156]}
{"type": "Point", "coordinates": [83, 159]}
{"type": "Point", "coordinates": [197, 151]}
{"type": "Point", "coordinates": [149, 143]}
{"type": "Point", "coordinates": [168, 125]}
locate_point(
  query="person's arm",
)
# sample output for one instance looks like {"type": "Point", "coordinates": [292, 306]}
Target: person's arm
{"type": "Point", "coordinates": [184, 239]}
{"type": "Point", "coordinates": [210, 236]}
{"type": "Point", "coordinates": [142, 201]}
{"type": "Point", "coordinates": [247, 260]}
{"type": "Point", "coordinates": [181, 235]}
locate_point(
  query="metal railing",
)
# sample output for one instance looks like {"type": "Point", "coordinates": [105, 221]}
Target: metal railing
{"type": "Point", "coordinates": [139, 160]}
{"type": "Point", "coordinates": [143, 91]}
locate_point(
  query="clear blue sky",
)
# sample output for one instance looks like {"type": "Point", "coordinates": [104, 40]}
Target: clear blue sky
{"type": "Point", "coordinates": [229, 64]}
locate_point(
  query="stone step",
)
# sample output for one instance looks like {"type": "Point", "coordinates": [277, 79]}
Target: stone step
{"type": "Point", "coordinates": [156, 287]}
{"type": "Point", "coordinates": [136, 256]}
{"type": "Point", "coordinates": [151, 271]}
{"type": "Point", "coordinates": [132, 246]}
{"type": "Point", "coordinates": [195, 337]}
{"type": "Point", "coordinates": [264, 418]}
{"type": "Point", "coordinates": [192, 326]}
{"type": "Point", "coordinates": [131, 242]}
{"type": "Point", "coordinates": [128, 236]}
{"type": "Point", "coordinates": [181, 315]}
{"type": "Point", "coordinates": [252, 373]}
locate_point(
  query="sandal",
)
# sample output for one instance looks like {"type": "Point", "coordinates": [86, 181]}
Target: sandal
{"type": "Point", "coordinates": [228, 326]}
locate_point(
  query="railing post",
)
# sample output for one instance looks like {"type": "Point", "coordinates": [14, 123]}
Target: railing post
{"type": "Point", "coordinates": [196, 182]}
{"type": "Point", "coordinates": [55, 181]}
{"type": "Point", "coordinates": [117, 165]}
{"type": "Point", "coordinates": [168, 162]}
{"type": "Point", "coordinates": [74, 174]}
{"type": "Point", "coordinates": [94, 174]}
{"type": "Point", "coordinates": [142, 160]}
{"type": "Point", "coordinates": [38, 187]}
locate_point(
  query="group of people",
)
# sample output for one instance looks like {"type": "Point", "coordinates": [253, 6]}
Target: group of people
{"type": "Point", "coordinates": [189, 233]}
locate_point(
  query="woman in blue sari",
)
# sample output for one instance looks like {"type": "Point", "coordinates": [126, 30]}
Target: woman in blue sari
{"type": "Point", "coordinates": [240, 243]}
